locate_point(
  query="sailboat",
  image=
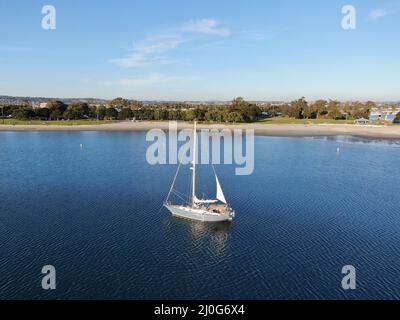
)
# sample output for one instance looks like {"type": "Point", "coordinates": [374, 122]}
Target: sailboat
{"type": "Point", "coordinates": [205, 210]}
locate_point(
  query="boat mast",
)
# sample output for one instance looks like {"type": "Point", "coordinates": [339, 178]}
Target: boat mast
{"type": "Point", "coordinates": [194, 166]}
{"type": "Point", "coordinates": [173, 183]}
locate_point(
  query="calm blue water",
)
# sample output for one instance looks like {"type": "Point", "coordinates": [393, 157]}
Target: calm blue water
{"type": "Point", "coordinates": [94, 214]}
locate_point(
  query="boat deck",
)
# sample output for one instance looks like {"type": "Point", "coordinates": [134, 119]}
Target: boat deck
{"type": "Point", "coordinates": [221, 209]}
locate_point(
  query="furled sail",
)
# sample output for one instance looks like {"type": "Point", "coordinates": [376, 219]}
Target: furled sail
{"type": "Point", "coordinates": [202, 201]}
{"type": "Point", "coordinates": [220, 193]}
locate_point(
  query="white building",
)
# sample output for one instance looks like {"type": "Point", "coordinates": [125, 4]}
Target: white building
{"type": "Point", "coordinates": [387, 113]}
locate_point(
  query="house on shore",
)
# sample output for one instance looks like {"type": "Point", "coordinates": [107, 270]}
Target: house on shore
{"type": "Point", "coordinates": [387, 113]}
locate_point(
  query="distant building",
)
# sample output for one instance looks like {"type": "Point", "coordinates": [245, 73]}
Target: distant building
{"type": "Point", "coordinates": [361, 121]}
{"type": "Point", "coordinates": [35, 105]}
{"type": "Point", "coordinates": [43, 105]}
{"type": "Point", "coordinates": [385, 113]}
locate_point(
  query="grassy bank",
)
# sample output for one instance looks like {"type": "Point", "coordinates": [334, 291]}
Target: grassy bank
{"type": "Point", "coordinates": [285, 120]}
{"type": "Point", "coordinates": [15, 122]}
{"type": "Point", "coordinates": [277, 120]}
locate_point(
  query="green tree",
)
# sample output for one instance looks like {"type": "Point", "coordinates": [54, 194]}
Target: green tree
{"type": "Point", "coordinates": [397, 119]}
{"type": "Point", "coordinates": [76, 111]}
{"type": "Point", "coordinates": [320, 108]}
{"type": "Point", "coordinates": [111, 114]}
{"type": "Point", "coordinates": [297, 108]}
{"type": "Point", "coordinates": [56, 114]}
{"type": "Point", "coordinates": [359, 110]}
{"type": "Point", "coordinates": [119, 103]}
{"type": "Point", "coordinates": [334, 110]}
{"type": "Point", "coordinates": [56, 104]}
{"type": "Point", "coordinates": [125, 114]}
{"type": "Point", "coordinates": [23, 113]}
{"type": "Point", "coordinates": [43, 113]}
{"type": "Point", "coordinates": [208, 116]}
{"type": "Point", "coordinates": [243, 111]}
{"type": "Point", "coordinates": [190, 115]}
{"type": "Point", "coordinates": [234, 117]}
{"type": "Point", "coordinates": [57, 109]}
{"type": "Point", "coordinates": [239, 103]}
{"type": "Point", "coordinates": [101, 112]}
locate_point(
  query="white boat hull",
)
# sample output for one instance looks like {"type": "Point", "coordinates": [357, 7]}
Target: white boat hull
{"type": "Point", "coordinates": [197, 214]}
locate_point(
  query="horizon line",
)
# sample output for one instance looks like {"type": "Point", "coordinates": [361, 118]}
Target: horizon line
{"type": "Point", "coordinates": [197, 100]}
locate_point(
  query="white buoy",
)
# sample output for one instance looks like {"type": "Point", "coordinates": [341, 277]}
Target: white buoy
{"type": "Point", "coordinates": [337, 150]}
{"type": "Point", "coordinates": [81, 146]}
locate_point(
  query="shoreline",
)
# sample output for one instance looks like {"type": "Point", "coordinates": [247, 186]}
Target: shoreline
{"type": "Point", "coordinates": [283, 130]}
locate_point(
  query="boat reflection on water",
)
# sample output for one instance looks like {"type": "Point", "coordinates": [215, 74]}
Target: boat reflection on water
{"type": "Point", "coordinates": [376, 142]}
{"type": "Point", "coordinates": [199, 228]}
{"type": "Point", "coordinates": [213, 235]}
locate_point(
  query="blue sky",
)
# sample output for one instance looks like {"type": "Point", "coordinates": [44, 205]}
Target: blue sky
{"type": "Point", "coordinates": [201, 50]}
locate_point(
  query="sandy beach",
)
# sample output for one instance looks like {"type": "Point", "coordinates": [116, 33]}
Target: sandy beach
{"type": "Point", "coordinates": [290, 130]}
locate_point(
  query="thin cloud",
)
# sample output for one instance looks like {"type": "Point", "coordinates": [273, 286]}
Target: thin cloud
{"type": "Point", "coordinates": [207, 26]}
{"type": "Point", "coordinates": [378, 14]}
{"type": "Point", "coordinates": [150, 52]}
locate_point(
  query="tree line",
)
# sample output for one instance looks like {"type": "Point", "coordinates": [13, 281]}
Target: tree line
{"type": "Point", "coordinates": [238, 110]}
{"type": "Point", "coordinates": [322, 109]}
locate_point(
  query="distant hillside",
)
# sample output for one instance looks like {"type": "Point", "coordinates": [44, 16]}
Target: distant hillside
{"type": "Point", "coordinates": [10, 100]}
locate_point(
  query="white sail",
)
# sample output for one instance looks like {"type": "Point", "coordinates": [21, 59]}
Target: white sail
{"type": "Point", "coordinates": [220, 193]}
